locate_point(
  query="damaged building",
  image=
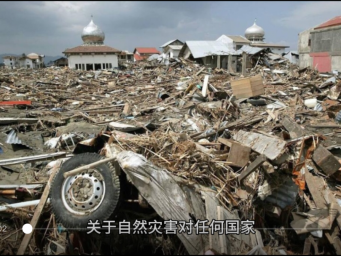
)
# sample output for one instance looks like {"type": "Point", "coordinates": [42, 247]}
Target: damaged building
{"type": "Point", "coordinates": [61, 62]}
{"type": "Point", "coordinates": [320, 47]}
{"type": "Point", "coordinates": [215, 54]}
{"type": "Point", "coordinates": [142, 53]}
{"type": "Point", "coordinates": [93, 54]}
{"type": "Point", "coordinates": [32, 60]}
{"type": "Point", "coordinates": [172, 48]}
{"type": "Point", "coordinates": [254, 37]}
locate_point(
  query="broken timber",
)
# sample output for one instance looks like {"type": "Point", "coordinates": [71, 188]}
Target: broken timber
{"type": "Point", "coordinates": [271, 147]}
{"type": "Point", "coordinates": [326, 161]}
{"type": "Point", "coordinates": [253, 166]}
{"type": "Point", "coordinates": [37, 213]}
{"type": "Point", "coordinates": [293, 128]}
{"type": "Point", "coordinates": [238, 155]}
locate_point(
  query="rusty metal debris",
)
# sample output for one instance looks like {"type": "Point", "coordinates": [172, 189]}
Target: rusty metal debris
{"type": "Point", "coordinates": [194, 143]}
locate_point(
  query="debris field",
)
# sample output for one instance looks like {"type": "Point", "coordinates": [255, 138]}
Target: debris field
{"type": "Point", "coordinates": [211, 144]}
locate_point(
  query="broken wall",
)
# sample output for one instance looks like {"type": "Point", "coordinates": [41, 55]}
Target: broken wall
{"type": "Point", "coordinates": [326, 40]}
{"type": "Point", "coordinates": [336, 62]}
{"type": "Point", "coordinates": [304, 49]}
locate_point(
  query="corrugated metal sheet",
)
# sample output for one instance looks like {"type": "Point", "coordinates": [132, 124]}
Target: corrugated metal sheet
{"type": "Point", "coordinates": [169, 42]}
{"type": "Point", "coordinates": [239, 39]}
{"type": "Point", "coordinates": [12, 138]}
{"type": "Point", "coordinates": [154, 57]}
{"type": "Point", "coordinates": [200, 49]}
{"type": "Point", "coordinates": [285, 195]}
{"type": "Point", "coordinates": [265, 45]}
{"type": "Point", "coordinates": [249, 50]}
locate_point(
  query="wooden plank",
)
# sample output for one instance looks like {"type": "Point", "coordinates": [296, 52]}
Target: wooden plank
{"type": "Point", "coordinates": [307, 246]}
{"type": "Point", "coordinates": [127, 109]}
{"type": "Point", "coordinates": [332, 201]}
{"type": "Point", "coordinates": [253, 166]}
{"type": "Point", "coordinates": [240, 122]}
{"type": "Point", "coordinates": [239, 155]}
{"type": "Point", "coordinates": [243, 90]}
{"type": "Point", "coordinates": [211, 203]}
{"type": "Point", "coordinates": [315, 185]}
{"type": "Point", "coordinates": [37, 213]}
{"type": "Point", "coordinates": [257, 83]}
{"type": "Point", "coordinates": [293, 128]}
{"type": "Point", "coordinates": [17, 102]}
{"type": "Point", "coordinates": [271, 147]}
{"type": "Point", "coordinates": [333, 238]}
{"type": "Point", "coordinates": [225, 142]}
{"type": "Point", "coordinates": [326, 160]}
{"type": "Point", "coordinates": [9, 120]}
{"type": "Point", "coordinates": [256, 78]}
{"type": "Point", "coordinates": [205, 86]}
{"type": "Point", "coordinates": [222, 238]}
{"type": "Point", "coordinates": [244, 84]}
{"type": "Point", "coordinates": [89, 166]}
{"type": "Point", "coordinates": [258, 91]}
{"type": "Point", "coordinates": [252, 240]}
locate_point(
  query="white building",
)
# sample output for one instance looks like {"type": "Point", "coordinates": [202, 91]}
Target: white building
{"type": "Point", "coordinates": [172, 51]}
{"type": "Point", "coordinates": [234, 42]}
{"type": "Point", "coordinates": [126, 56]}
{"type": "Point", "coordinates": [31, 60]}
{"type": "Point", "coordinates": [93, 54]}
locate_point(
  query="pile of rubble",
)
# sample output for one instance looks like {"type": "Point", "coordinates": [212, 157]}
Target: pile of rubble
{"type": "Point", "coordinates": [264, 147]}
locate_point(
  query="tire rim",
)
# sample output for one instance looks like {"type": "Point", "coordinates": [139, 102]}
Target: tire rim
{"type": "Point", "coordinates": [83, 193]}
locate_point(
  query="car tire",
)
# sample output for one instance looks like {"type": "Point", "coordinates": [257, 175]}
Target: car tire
{"type": "Point", "coordinates": [76, 219]}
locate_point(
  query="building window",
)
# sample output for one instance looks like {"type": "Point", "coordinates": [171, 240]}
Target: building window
{"type": "Point", "coordinates": [110, 66]}
{"type": "Point", "coordinates": [76, 66]}
{"type": "Point", "coordinates": [309, 42]}
{"type": "Point", "coordinates": [83, 67]}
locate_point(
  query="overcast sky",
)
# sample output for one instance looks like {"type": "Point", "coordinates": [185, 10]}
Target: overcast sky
{"type": "Point", "coordinates": [51, 27]}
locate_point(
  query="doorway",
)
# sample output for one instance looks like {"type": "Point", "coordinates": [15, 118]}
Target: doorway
{"type": "Point", "coordinates": [98, 66]}
{"type": "Point", "coordinates": [89, 67]}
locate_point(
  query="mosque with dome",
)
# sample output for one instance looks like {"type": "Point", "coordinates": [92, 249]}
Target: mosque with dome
{"type": "Point", "coordinates": [254, 37]}
{"type": "Point", "coordinates": [93, 54]}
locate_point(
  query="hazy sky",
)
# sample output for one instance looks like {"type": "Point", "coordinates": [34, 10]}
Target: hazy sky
{"type": "Point", "coordinates": [51, 27]}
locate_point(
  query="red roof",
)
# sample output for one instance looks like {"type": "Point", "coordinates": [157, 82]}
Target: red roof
{"type": "Point", "coordinates": [138, 57]}
{"type": "Point", "coordinates": [91, 49]}
{"type": "Point", "coordinates": [330, 23]}
{"type": "Point", "coordinates": [146, 50]}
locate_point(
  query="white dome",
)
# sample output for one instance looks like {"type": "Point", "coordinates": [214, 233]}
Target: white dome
{"type": "Point", "coordinates": [33, 56]}
{"type": "Point", "coordinates": [254, 32]}
{"type": "Point", "coordinates": [92, 34]}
